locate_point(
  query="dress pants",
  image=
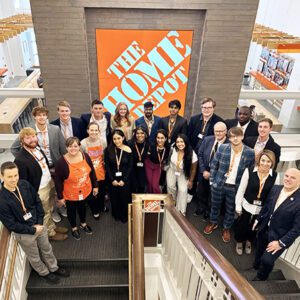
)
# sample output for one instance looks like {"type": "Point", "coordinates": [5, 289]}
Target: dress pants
{"type": "Point", "coordinates": [204, 195]}
{"type": "Point", "coordinates": [97, 203]}
{"type": "Point", "coordinates": [76, 206]}
{"type": "Point", "coordinates": [153, 172]}
{"type": "Point", "coordinates": [243, 227]}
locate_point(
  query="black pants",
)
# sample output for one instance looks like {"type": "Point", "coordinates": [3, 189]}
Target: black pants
{"type": "Point", "coordinates": [204, 195]}
{"type": "Point", "coordinates": [139, 180]}
{"type": "Point", "coordinates": [243, 227]}
{"type": "Point", "coordinates": [72, 207]}
{"type": "Point", "coordinates": [97, 203]}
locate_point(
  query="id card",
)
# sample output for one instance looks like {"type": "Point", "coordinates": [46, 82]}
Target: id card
{"type": "Point", "coordinates": [80, 197]}
{"type": "Point", "coordinates": [200, 136]}
{"type": "Point", "coordinates": [118, 174]}
{"type": "Point", "coordinates": [27, 216]}
{"type": "Point", "coordinates": [177, 173]}
{"type": "Point", "coordinates": [257, 202]}
{"type": "Point", "coordinates": [140, 164]}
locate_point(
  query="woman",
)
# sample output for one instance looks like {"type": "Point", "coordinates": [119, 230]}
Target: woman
{"type": "Point", "coordinates": [122, 120]}
{"type": "Point", "coordinates": [75, 181]}
{"type": "Point", "coordinates": [94, 147]}
{"type": "Point", "coordinates": [118, 163]}
{"type": "Point", "coordinates": [155, 162]}
{"type": "Point", "coordinates": [139, 148]}
{"type": "Point", "coordinates": [182, 171]}
{"type": "Point", "coordinates": [255, 185]}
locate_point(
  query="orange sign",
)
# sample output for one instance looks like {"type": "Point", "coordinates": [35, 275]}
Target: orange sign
{"type": "Point", "coordinates": [136, 66]}
{"type": "Point", "coordinates": [152, 205]}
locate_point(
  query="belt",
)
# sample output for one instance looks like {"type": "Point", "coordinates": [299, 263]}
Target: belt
{"type": "Point", "coordinates": [229, 185]}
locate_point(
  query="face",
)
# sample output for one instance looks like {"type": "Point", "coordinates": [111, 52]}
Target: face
{"type": "Point", "coordinates": [93, 131]}
{"type": "Point", "coordinates": [173, 110]}
{"type": "Point", "coordinates": [265, 163]}
{"type": "Point", "coordinates": [11, 178]}
{"type": "Point", "coordinates": [123, 110]}
{"type": "Point", "coordinates": [207, 109]}
{"type": "Point", "coordinates": [30, 141]}
{"type": "Point", "coordinates": [291, 179]}
{"type": "Point", "coordinates": [160, 139]}
{"type": "Point", "coordinates": [97, 110]}
{"type": "Point", "coordinates": [220, 132]}
{"type": "Point", "coordinates": [180, 144]}
{"type": "Point", "coordinates": [140, 135]}
{"type": "Point", "coordinates": [64, 113]}
{"type": "Point", "coordinates": [244, 115]}
{"type": "Point", "coordinates": [73, 149]}
{"type": "Point", "coordinates": [118, 140]}
{"type": "Point", "coordinates": [148, 112]}
{"type": "Point", "coordinates": [236, 140]}
{"type": "Point", "coordinates": [41, 118]}
{"type": "Point", "coordinates": [264, 129]}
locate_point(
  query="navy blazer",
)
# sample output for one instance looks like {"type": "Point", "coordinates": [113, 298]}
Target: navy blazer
{"type": "Point", "coordinates": [285, 221]}
{"type": "Point", "coordinates": [251, 129]}
{"type": "Point", "coordinates": [76, 126]}
{"type": "Point", "coordinates": [141, 122]}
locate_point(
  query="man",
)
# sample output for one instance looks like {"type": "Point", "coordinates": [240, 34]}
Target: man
{"type": "Point", "coordinates": [206, 153]}
{"type": "Point", "coordinates": [174, 124]}
{"type": "Point", "coordinates": [278, 223]}
{"type": "Point", "coordinates": [202, 125]}
{"type": "Point", "coordinates": [33, 167]}
{"type": "Point", "coordinates": [264, 140]}
{"type": "Point", "coordinates": [101, 118]}
{"type": "Point", "coordinates": [69, 126]}
{"type": "Point", "coordinates": [244, 121]}
{"type": "Point", "coordinates": [149, 121]}
{"type": "Point", "coordinates": [226, 171]}
{"type": "Point", "coordinates": [22, 213]}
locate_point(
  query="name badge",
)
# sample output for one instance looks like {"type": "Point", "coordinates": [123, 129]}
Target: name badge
{"type": "Point", "coordinates": [169, 141]}
{"type": "Point", "coordinates": [200, 136]}
{"type": "Point", "coordinates": [177, 173]}
{"type": "Point", "coordinates": [140, 164]}
{"type": "Point", "coordinates": [80, 197]}
{"type": "Point", "coordinates": [27, 216]}
{"type": "Point", "coordinates": [257, 202]}
{"type": "Point", "coordinates": [118, 174]}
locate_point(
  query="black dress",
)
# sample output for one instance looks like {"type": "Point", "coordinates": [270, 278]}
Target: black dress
{"type": "Point", "coordinates": [120, 195]}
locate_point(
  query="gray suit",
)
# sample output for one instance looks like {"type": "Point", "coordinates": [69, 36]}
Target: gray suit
{"type": "Point", "coordinates": [56, 141]}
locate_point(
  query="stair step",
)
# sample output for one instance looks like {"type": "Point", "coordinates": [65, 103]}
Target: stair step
{"type": "Point", "coordinates": [274, 275]}
{"type": "Point", "coordinates": [292, 296]}
{"type": "Point", "coordinates": [273, 287]}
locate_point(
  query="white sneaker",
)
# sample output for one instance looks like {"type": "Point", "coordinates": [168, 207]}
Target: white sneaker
{"type": "Point", "coordinates": [63, 211]}
{"type": "Point", "coordinates": [248, 248]}
{"type": "Point", "coordinates": [55, 216]}
{"type": "Point", "coordinates": [239, 248]}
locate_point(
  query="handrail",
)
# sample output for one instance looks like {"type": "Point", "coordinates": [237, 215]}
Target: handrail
{"type": "Point", "coordinates": [4, 243]}
{"type": "Point", "coordinates": [239, 287]}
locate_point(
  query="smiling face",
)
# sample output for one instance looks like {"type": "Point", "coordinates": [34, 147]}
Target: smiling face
{"type": "Point", "coordinates": [220, 131]}
{"type": "Point", "coordinates": [123, 110]}
{"type": "Point", "coordinates": [207, 109]}
{"type": "Point", "coordinates": [264, 130]}
{"type": "Point", "coordinates": [291, 180]}
{"type": "Point", "coordinates": [180, 144]}
{"type": "Point", "coordinates": [30, 141]}
{"type": "Point", "coordinates": [10, 178]}
{"type": "Point", "coordinates": [160, 140]}
{"type": "Point", "coordinates": [41, 119]}
{"type": "Point", "coordinates": [140, 136]}
{"type": "Point", "coordinates": [236, 140]}
{"type": "Point", "coordinates": [118, 140]}
{"type": "Point", "coordinates": [64, 113]}
{"type": "Point", "coordinates": [244, 115]}
{"type": "Point", "coordinates": [93, 131]}
{"type": "Point", "coordinates": [97, 111]}
{"type": "Point", "coordinates": [265, 163]}
{"type": "Point", "coordinates": [73, 149]}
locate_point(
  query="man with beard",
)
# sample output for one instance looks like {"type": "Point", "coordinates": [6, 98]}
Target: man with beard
{"type": "Point", "coordinates": [33, 166]}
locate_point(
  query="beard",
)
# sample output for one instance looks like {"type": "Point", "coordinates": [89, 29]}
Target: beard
{"type": "Point", "coordinates": [31, 145]}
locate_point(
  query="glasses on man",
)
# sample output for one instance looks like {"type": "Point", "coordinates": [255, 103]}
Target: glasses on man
{"type": "Point", "coordinates": [207, 107]}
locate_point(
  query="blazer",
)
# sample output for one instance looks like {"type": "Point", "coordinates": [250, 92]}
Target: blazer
{"type": "Point", "coordinates": [220, 164]}
{"type": "Point", "coordinates": [195, 127]}
{"type": "Point", "coordinates": [141, 122]}
{"type": "Point", "coordinates": [251, 129]}
{"type": "Point", "coordinates": [270, 145]}
{"type": "Point", "coordinates": [285, 221]}
{"type": "Point", "coordinates": [179, 127]}
{"type": "Point", "coordinates": [85, 120]}
{"type": "Point", "coordinates": [76, 126]}
{"type": "Point", "coordinates": [56, 142]}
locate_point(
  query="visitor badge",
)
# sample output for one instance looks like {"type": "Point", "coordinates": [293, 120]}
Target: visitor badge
{"type": "Point", "coordinates": [200, 136]}
{"type": "Point", "coordinates": [118, 174]}
{"type": "Point", "coordinates": [177, 173]}
{"type": "Point", "coordinates": [27, 216]}
{"type": "Point", "coordinates": [257, 202]}
{"type": "Point", "coordinates": [80, 198]}
{"type": "Point", "coordinates": [140, 164]}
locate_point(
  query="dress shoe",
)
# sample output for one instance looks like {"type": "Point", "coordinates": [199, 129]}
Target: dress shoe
{"type": "Point", "coordinates": [51, 278]}
{"type": "Point", "coordinates": [60, 229]}
{"type": "Point", "coordinates": [87, 229]}
{"type": "Point", "coordinates": [58, 237]}
{"type": "Point", "coordinates": [96, 217]}
{"type": "Point", "coordinates": [256, 278]}
{"type": "Point", "coordinates": [239, 248]}
{"type": "Point", "coordinates": [226, 235]}
{"type": "Point", "coordinates": [62, 272]}
{"type": "Point", "coordinates": [198, 212]}
{"type": "Point", "coordinates": [55, 216]}
{"type": "Point", "coordinates": [248, 248]}
{"type": "Point", "coordinates": [210, 228]}
{"type": "Point", "coordinates": [76, 234]}
{"type": "Point", "coordinates": [205, 217]}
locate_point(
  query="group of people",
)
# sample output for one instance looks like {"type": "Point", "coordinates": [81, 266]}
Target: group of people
{"type": "Point", "coordinates": [226, 165]}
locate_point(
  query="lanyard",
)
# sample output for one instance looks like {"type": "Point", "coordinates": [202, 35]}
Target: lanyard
{"type": "Point", "coordinates": [39, 160]}
{"type": "Point", "coordinates": [44, 140]}
{"type": "Point", "coordinates": [204, 127]}
{"type": "Point", "coordinates": [232, 161]}
{"type": "Point", "coordinates": [118, 159]}
{"type": "Point", "coordinates": [160, 158]}
{"type": "Point", "coordinates": [262, 181]}
{"type": "Point", "coordinates": [138, 151]}
{"type": "Point", "coordinates": [20, 199]}
{"type": "Point", "coordinates": [149, 124]}
{"type": "Point", "coordinates": [171, 126]}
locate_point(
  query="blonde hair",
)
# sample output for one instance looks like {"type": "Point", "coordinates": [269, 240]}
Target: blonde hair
{"type": "Point", "coordinates": [26, 131]}
{"type": "Point", "coordinates": [63, 103]}
{"type": "Point", "coordinates": [270, 155]}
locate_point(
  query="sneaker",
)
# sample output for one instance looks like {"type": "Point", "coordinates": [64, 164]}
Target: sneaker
{"type": "Point", "coordinates": [106, 209]}
{"type": "Point", "coordinates": [58, 237]}
{"type": "Point", "coordinates": [248, 248]}
{"type": "Point", "coordinates": [226, 235]}
{"type": "Point", "coordinates": [96, 217]}
{"type": "Point", "coordinates": [239, 248]}
{"type": "Point", "coordinates": [76, 234]}
{"type": "Point", "coordinates": [198, 212]}
{"type": "Point", "coordinates": [61, 272]}
{"type": "Point", "coordinates": [63, 211]}
{"type": "Point", "coordinates": [55, 216]}
{"type": "Point", "coordinates": [210, 228]}
{"type": "Point", "coordinates": [60, 229]}
{"type": "Point", "coordinates": [51, 278]}
{"type": "Point", "coordinates": [87, 229]}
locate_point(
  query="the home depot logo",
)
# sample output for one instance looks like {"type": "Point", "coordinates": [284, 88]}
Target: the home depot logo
{"type": "Point", "coordinates": [135, 66]}
{"type": "Point", "coordinates": [151, 205]}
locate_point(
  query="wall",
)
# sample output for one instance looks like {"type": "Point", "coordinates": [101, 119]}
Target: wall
{"type": "Point", "coordinates": [64, 47]}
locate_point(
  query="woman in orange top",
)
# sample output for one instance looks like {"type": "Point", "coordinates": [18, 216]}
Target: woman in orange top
{"type": "Point", "coordinates": [75, 181]}
{"type": "Point", "coordinates": [93, 146]}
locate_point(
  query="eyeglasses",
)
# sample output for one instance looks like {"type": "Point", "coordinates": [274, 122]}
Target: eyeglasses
{"type": "Point", "coordinates": [207, 107]}
{"type": "Point", "coordinates": [219, 131]}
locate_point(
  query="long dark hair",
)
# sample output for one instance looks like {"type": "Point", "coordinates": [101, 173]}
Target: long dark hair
{"type": "Point", "coordinates": [188, 154]}
{"type": "Point", "coordinates": [112, 145]}
{"type": "Point", "coordinates": [142, 128]}
{"type": "Point", "coordinates": [164, 133]}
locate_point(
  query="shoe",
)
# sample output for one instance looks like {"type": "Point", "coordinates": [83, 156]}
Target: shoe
{"type": "Point", "coordinates": [106, 209]}
{"type": "Point", "coordinates": [226, 235]}
{"type": "Point", "coordinates": [248, 248]}
{"type": "Point", "coordinates": [63, 211]}
{"type": "Point", "coordinates": [96, 217]}
{"type": "Point", "coordinates": [60, 229]}
{"type": "Point", "coordinates": [256, 278]}
{"type": "Point", "coordinates": [51, 278]}
{"type": "Point", "coordinates": [55, 216]}
{"type": "Point", "coordinates": [76, 234]}
{"type": "Point", "coordinates": [239, 248]}
{"type": "Point", "coordinates": [61, 272]}
{"type": "Point", "coordinates": [205, 217]}
{"type": "Point", "coordinates": [87, 229]}
{"type": "Point", "coordinates": [58, 237]}
{"type": "Point", "coordinates": [198, 212]}
{"type": "Point", "coordinates": [210, 228]}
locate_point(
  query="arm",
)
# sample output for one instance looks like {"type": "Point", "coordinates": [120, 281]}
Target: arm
{"type": "Point", "coordinates": [61, 143]}
{"type": "Point", "coordinates": [241, 191]}
{"type": "Point", "coordinates": [193, 174]}
{"type": "Point", "coordinates": [38, 204]}
{"type": "Point", "coordinates": [130, 164]}
{"type": "Point", "coordinates": [288, 239]}
{"type": "Point", "coordinates": [201, 156]}
{"type": "Point", "coordinates": [23, 170]}
{"type": "Point", "coordinates": [15, 147]}
{"type": "Point", "coordinates": [214, 166]}
{"type": "Point", "coordinates": [61, 173]}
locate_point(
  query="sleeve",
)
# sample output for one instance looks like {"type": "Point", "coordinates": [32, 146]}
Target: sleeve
{"type": "Point", "coordinates": [130, 164]}
{"type": "Point", "coordinates": [38, 204]}
{"type": "Point", "coordinates": [23, 170]}
{"type": "Point", "coordinates": [93, 173]}
{"type": "Point", "coordinates": [288, 239]}
{"type": "Point", "coordinates": [62, 143]}
{"type": "Point", "coordinates": [267, 206]}
{"type": "Point", "coordinates": [241, 190]}
{"type": "Point", "coordinates": [15, 147]}
{"type": "Point", "coordinates": [201, 156]}
{"type": "Point", "coordinates": [107, 165]}
{"type": "Point", "coordinates": [112, 123]}
{"type": "Point", "coordinates": [60, 176]}
{"type": "Point", "coordinates": [83, 145]}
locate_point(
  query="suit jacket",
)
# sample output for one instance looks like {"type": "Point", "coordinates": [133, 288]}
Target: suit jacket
{"type": "Point", "coordinates": [270, 145]}
{"type": "Point", "coordinates": [76, 126]}
{"type": "Point", "coordinates": [141, 122]}
{"type": "Point", "coordinates": [85, 120]}
{"type": "Point", "coordinates": [220, 164]}
{"type": "Point", "coordinates": [56, 142]}
{"type": "Point", "coordinates": [251, 129]}
{"type": "Point", "coordinates": [179, 127]}
{"type": "Point", "coordinates": [195, 127]}
{"type": "Point", "coordinates": [285, 221]}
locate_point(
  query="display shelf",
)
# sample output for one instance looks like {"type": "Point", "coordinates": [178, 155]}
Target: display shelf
{"type": "Point", "coordinates": [266, 82]}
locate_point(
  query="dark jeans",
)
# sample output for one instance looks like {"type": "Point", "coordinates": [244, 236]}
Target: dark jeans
{"type": "Point", "coordinates": [72, 208]}
{"type": "Point", "coordinates": [243, 227]}
{"type": "Point", "coordinates": [204, 195]}
{"type": "Point", "coordinates": [97, 203]}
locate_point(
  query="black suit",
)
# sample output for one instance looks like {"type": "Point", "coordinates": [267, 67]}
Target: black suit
{"type": "Point", "coordinates": [270, 145]}
{"type": "Point", "coordinates": [76, 126]}
{"type": "Point", "coordinates": [180, 126]}
{"type": "Point", "coordinates": [251, 129]}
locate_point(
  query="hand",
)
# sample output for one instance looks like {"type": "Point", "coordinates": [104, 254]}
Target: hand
{"type": "Point", "coordinates": [121, 183]}
{"type": "Point", "coordinates": [39, 228]}
{"type": "Point", "coordinates": [115, 183]}
{"type": "Point", "coordinates": [206, 175]}
{"type": "Point", "coordinates": [273, 247]}
{"type": "Point", "coordinates": [95, 191]}
{"type": "Point", "coordinates": [190, 185]}
{"type": "Point", "coordinates": [254, 225]}
{"type": "Point", "coordinates": [239, 213]}
{"type": "Point", "coordinates": [61, 202]}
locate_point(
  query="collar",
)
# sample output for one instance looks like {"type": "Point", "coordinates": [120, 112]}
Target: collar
{"type": "Point", "coordinates": [270, 171]}
{"type": "Point", "coordinates": [65, 124]}
{"type": "Point", "coordinates": [263, 143]}
{"type": "Point", "coordinates": [242, 126]}
{"type": "Point", "coordinates": [38, 130]}
{"type": "Point", "coordinates": [147, 120]}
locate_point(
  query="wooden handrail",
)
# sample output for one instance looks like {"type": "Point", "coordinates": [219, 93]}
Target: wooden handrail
{"type": "Point", "coordinates": [239, 287]}
{"type": "Point", "coordinates": [4, 242]}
